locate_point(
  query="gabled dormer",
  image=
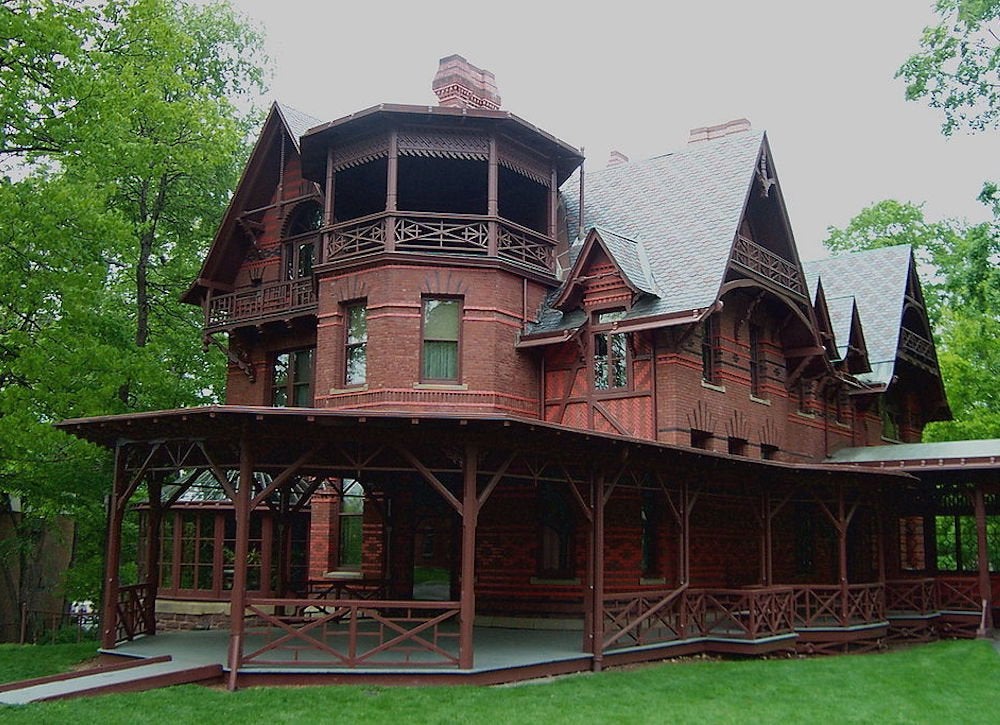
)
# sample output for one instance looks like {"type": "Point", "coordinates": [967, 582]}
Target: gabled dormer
{"type": "Point", "coordinates": [259, 267]}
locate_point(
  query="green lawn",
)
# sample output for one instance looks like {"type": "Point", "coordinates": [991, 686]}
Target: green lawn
{"type": "Point", "coordinates": [944, 682]}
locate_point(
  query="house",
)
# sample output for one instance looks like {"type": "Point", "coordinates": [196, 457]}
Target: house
{"type": "Point", "coordinates": [478, 394]}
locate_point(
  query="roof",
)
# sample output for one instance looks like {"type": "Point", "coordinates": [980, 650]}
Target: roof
{"type": "Point", "coordinates": [946, 461]}
{"type": "Point", "coordinates": [296, 121]}
{"type": "Point", "coordinates": [876, 279]}
{"type": "Point", "coordinates": [841, 311]}
{"type": "Point", "coordinates": [681, 211]}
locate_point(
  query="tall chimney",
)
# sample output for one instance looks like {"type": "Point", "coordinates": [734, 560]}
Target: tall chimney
{"type": "Point", "coordinates": [460, 84]}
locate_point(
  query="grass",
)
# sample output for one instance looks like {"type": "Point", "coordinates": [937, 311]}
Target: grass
{"type": "Point", "coordinates": [953, 682]}
{"type": "Point", "coordinates": [22, 662]}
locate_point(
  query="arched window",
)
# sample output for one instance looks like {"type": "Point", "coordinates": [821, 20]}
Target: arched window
{"type": "Point", "coordinates": [300, 249]}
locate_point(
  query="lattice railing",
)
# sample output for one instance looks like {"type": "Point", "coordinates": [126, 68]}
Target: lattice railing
{"type": "Point", "coordinates": [824, 605]}
{"type": "Point", "coordinates": [915, 596]}
{"type": "Point", "coordinates": [135, 613]}
{"type": "Point", "coordinates": [366, 589]}
{"type": "Point", "coordinates": [959, 594]}
{"type": "Point", "coordinates": [446, 234]}
{"type": "Point", "coordinates": [356, 237]}
{"type": "Point", "coordinates": [919, 347]}
{"type": "Point", "coordinates": [525, 246]}
{"type": "Point", "coordinates": [767, 264]}
{"type": "Point", "coordinates": [351, 633]}
{"type": "Point", "coordinates": [645, 617]}
{"type": "Point", "coordinates": [255, 303]}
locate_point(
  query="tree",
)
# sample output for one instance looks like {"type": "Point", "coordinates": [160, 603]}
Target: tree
{"type": "Point", "coordinates": [130, 140]}
{"type": "Point", "coordinates": [957, 68]}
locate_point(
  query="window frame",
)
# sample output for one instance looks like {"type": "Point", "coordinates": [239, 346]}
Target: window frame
{"type": "Point", "coordinates": [609, 331]}
{"type": "Point", "coordinates": [757, 360]}
{"type": "Point", "coordinates": [460, 301]}
{"type": "Point", "coordinates": [294, 241]}
{"type": "Point", "coordinates": [357, 517]}
{"type": "Point", "coordinates": [710, 349]}
{"type": "Point", "coordinates": [348, 346]}
{"type": "Point", "coordinates": [291, 384]}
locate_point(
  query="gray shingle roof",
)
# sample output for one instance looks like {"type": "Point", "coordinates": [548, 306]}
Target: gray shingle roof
{"type": "Point", "coordinates": [682, 210]}
{"type": "Point", "coordinates": [877, 279]}
{"type": "Point", "coordinates": [841, 311]}
{"type": "Point", "coordinates": [297, 121]}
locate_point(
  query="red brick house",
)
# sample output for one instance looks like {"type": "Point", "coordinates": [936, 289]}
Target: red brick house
{"type": "Point", "coordinates": [475, 388]}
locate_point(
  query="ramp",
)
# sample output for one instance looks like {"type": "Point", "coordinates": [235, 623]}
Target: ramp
{"type": "Point", "coordinates": [129, 676]}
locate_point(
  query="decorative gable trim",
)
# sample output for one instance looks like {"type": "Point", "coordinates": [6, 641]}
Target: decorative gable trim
{"type": "Point", "coordinates": [575, 280]}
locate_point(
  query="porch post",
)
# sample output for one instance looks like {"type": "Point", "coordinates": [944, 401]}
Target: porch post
{"type": "Point", "coordinates": [237, 606]}
{"type": "Point", "coordinates": [589, 606]}
{"type": "Point", "coordinates": [470, 515]}
{"type": "Point", "coordinates": [153, 525]}
{"type": "Point", "coordinates": [842, 542]}
{"type": "Point", "coordinates": [492, 194]}
{"type": "Point", "coordinates": [109, 616]}
{"type": "Point", "coordinates": [767, 574]}
{"type": "Point", "coordinates": [986, 623]}
{"type": "Point", "coordinates": [391, 191]}
{"type": "Point", "coordinates": [597, 615]}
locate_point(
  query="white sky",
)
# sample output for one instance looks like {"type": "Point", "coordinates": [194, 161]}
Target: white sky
{"type": "Point", "coordinates": [818, 76]}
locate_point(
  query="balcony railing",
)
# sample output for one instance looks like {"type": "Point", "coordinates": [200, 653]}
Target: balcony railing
{"type": "Point", "coordinates": [258, 303]}
{"type": "Point", "coordinates": [917, 347]}
{"type": "Point", "coordinates": [466, 234]}
{"type": "Point", "coordinates": [767, 264]}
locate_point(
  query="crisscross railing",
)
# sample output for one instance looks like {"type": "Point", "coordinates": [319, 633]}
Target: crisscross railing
{"type": "Point", "coordinates": [957, 593]}
{"type": "Point", "coordinates": [444, 233]}
{"type": "Point", "coordinates": [135, 615]}
{"type": "Point", "coordinates": [256, 303]}
{"type": "Point", "coordinates": [910, 595]}
{"type": "Point", "coordinates": [642, 617]}
{"type": "Point", "coordinates": [824, 605]}
{"type": "Point", "coordinates": [352, 633]}
{"type": "Point", "coordinates": [767, 264]}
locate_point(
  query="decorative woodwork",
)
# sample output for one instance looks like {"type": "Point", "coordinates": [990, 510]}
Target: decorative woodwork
{"type": "Point", "coordinates": [919, 348]}
{"type": "Point", "coordinates": [767, 264]}
{"type": "Point", "coordinates": [360, 152]}
{"type": "Point", "coordinates": [135, 614]}
{"type": "Point", "coordinates": [292, 297]}
{"type": "Point", "coordinates": [444, 144]}
{"type": "Point", "coordinates": [524, 163]}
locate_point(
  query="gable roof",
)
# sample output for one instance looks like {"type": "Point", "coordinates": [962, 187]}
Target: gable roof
{"type": "Point", "coordinates": [221, 257]}
{"type": "Point", "coordinates": [681, 211]}
{"type": "Point", "coordinates": [876, 279]}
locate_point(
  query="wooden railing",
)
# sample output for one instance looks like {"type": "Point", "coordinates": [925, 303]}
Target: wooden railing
{"type": "Point", "coordinates": [135, 612]}
{"type": "Point", "coordinates": [634, 619]}
{"type": "Point", "coordinates": [824, 605]}
{"type": "Point", "coordinates": [745, 613]}
{"type": "Point", "coordinates": [917, 346]}
{"type": "Point", "coordinates": [440, 233]}
{"type": "Point", "coordinates": [347, 589]}
{"type": "Point", "coordinates": [256, 303]}
{"type": "Point", "coordinates": [767, 264]}
{"type": "Point", "coordinates": [958, 593]}
{"type": "Point", "coordinates": [351, 633]}
{"type": "Point", "coordinates": [913, 596]}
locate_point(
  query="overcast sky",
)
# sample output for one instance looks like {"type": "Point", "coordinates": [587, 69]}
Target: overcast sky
{"type": "Point", "coordinates": [817, 76]}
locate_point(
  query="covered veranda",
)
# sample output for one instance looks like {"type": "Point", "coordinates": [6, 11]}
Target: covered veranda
{"type": "Point", "coordinates": [276, 459]}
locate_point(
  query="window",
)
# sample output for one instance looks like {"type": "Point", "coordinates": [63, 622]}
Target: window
{"type": "Point", "coordinates": [356, 344]}
{"type": "Point", "coordinates": [757, 369]}
{"type": "Point", "coordinates": [300, 253]}
{"type": "Point", "coordinates": [291, 379]}
{"type": "Point", "coordinates": [700, 439]}
{"type": "Point", "coordinates": [710, 350]}
{"type": "Point", "coordinates": [737, 447]}
{"type": "Point", "coordinates": [556, 546]}
{"type": "Point", "coordinates": [441, 325]}
{"type": "Point", "coordinates": [768, 452]}
{"type": "Point", "coordinates": [610, 352]}
{"type": "Point", "coordinates": [352, 508]}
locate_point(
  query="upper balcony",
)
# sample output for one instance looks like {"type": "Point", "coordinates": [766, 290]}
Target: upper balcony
{"type": "Point", "coordinates": [265, 302]}
{"type": "Point", "coordinates": [763, 262]}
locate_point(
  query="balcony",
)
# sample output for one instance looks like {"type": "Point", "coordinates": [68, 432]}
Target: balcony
{"type": "Point", "coordinates": [917, 348]}
{"type": "Point", "coordinates": [434, 233]}
{"type": "Point", "coordinates": [765, 263]}
{"type": "Point", "coordinates": [275, 300]}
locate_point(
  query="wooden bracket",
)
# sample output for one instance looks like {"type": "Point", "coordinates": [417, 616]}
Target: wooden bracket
{"type": "Point", "coordinates": [235, 354]}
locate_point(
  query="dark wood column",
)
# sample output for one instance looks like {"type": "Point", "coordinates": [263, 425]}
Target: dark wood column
{"type": "Point", "coordinates": [986, 624]}
{"type": "Point", "coordinates": [597, 613]}
{"type": "Point", "coordinates": [152, 553]}
{"type": "Point", "coordinates": [328, 196]}
{"type": "Point", "coordinates": [470, 515]}
{"type": "Point", "coordinates": [492, 196]}
{"type": "Point", "coordinates": [239, 593]}
{"type": "Point", "coordinates": [554, 205]}
{"type": "Point", "coordinates": [109, 616]}
{"type": "Point", "coordinates": [392, 191]}
{"type": "Point", "coordinates": [842, 523]}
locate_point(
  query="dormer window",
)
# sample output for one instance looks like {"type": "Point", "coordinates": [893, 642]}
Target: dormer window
{"type": "Point", "coordinates": [300, 249]}
{"type": "Point", "coordinates": [610, 352]}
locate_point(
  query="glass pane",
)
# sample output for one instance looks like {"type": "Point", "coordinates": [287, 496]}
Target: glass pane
{"type": "Point", "coordinates": [350, 541]}
{"type": "Point", "coordinates": [187, 577]}
{"type": "Point", "coordinates": [206, 551]}
{"type": "Point", "coordinates": [357, 364]}
{"type": "Point", "coordinates": [303, 366]}
{"type": "Point", "coordinates": [279, 376]}
{"type": "Point", "coordinates": [600, 361]}
{"type": "Point", "coordinates": [357, 324]}
{"type": "Point", "coordinates": [280, 398]}
{"type": "Point", "coordinates": [615, 316]}
{"type": "Point", "coordinates": [441, 320]}
{"type": "Point", "coordinates": [440, 360]}
{"type": "Point", "coordinates": [619, 351]}
{"type": "Point", "coordinates": [166, 574]}
{"type": "Point", "coordinates": [303, 395]}
{"type": "Point", "coordinates": [306, 254]}
{"type": "Point", "coordinates": [204, 577]}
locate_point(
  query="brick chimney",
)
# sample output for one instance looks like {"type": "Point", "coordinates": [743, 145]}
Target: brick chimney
{"type": "Point", "coordinates": [617, 158]}
{"type": "Point", "coordinates": [460, 84]}
{"type": "Point", "coordinates": [707, 133]}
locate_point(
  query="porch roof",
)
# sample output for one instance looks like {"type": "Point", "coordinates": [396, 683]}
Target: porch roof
{"type": "Point", "coordinates": [951, 460]}
{"type": "Point", "coordinates": [282, 434]}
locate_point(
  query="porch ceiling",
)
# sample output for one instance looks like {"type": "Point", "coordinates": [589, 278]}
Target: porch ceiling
{"type": "Point", "coordinates": [280, 435]}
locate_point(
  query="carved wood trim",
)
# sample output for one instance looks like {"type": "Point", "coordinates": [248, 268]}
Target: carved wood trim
{"type": "Point", "coordinates": [444, 144]}
{"type": "Point", "coordinates": [361, 151]}
{"type": "Point", "coordinates": [524, 163]}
